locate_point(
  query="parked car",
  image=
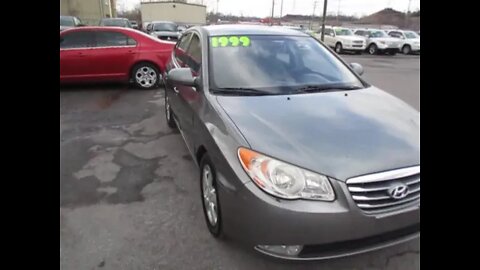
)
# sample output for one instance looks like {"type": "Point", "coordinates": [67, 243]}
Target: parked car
{"type": "Point", "coordinates": [298, 156]}
{"type": "Point", "coordinates": [164, 30]}
{"type": "Point", "coordinates": [342, 39]}
{"type": "Point", "coordinates": [67, 22]}
{"type": "Point", "coordinates": [182, 28]}
{"type": "Point", "coordinates": [379, 42]}
{"type": "Point", "coordinates": [134, 24]}
{"type": "Point", "coordinates": [410, 40]}
{"type": "Point", "coordinates": [117, 22]}
{"type": "Point", "coordinates": [145, 26]}
{"type": "Point", "coordinates": [89, 54]}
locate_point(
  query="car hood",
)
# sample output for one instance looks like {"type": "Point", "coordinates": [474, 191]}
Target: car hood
{"type": "Point", "coordinates": [62, 27]}
{"type": "Point", "coordinates": [351, 38]}
{"type": "Point", "coordinates": [339, 134]}
{"type": "Point", "coordinates": [387, 39]}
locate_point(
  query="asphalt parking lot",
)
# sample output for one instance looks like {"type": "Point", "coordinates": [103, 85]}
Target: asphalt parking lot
{"type": "Point", "coordinates": [129, 192]}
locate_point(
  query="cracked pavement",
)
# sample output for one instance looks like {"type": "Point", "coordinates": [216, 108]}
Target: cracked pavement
{"type": "Point", "coordinates": [129, 192]}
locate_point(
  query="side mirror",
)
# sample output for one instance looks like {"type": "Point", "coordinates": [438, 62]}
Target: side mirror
{"type": "Point", "coordinates": [357, 68]}
{"type": "Point", "coordinates": [181, 76]}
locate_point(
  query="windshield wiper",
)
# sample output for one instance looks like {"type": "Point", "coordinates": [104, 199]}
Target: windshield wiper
{"type": "Point", "coordinates": [239, 91]}
{"type": "Point", "coordinates": [322, 88]}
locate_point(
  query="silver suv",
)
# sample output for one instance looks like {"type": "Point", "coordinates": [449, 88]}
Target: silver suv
{"type": "Point", "coordinates": [378, 41]}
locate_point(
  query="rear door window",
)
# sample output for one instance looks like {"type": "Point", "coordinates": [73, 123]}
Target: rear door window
{"type": "Point", "coordinates": [113, 39]}
{"type": "Point", "coordinates": [77, 40]}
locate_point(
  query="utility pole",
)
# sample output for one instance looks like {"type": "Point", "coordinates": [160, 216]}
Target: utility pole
{"type": "Point", "coordinates": [406, 15]}
{"type": "Point", "coordinates": [273, 8]}
{"type": "Point", "coordinates": [217, 7]}
{"type": "Point", "coordinates": [338, 12]}
{"type": "Point", "coordinates": [313, 14]}
{"type": "Point", "coordinates": [323, 19]}
{"type": "Point", "coordinates": [281, 10]}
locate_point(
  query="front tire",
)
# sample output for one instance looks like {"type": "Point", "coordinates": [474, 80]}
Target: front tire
{"type": "Point", "coordinates": [145, 76]}
{"type": "Point", "coordinates": [372, 49]}
{"type": "Point", "coordinates": [406, 49]}
{"type": "Point", "coordinates": [338, 48]}
{"type": "Point", "coordinates": [168, 113]}
{"type": "Point", "coordinates": [209, 192]}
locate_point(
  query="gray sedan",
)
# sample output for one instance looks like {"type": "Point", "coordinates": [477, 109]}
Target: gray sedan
{"type": "Point", "coordinates": [298, 156]}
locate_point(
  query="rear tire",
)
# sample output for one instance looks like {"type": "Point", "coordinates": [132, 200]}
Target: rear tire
{"type": "Point", "coordinates": [145, 76]}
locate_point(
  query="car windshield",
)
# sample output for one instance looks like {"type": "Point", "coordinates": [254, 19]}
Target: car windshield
{"type": "Point", "coordinates": [377, 34]}
{"type": "Point", "coordinates": [343, 32]}
{"type": "Point", "coordinates": [411, 35]}
{"type": "Point", "coordinates": [115, 22]}
{"type": "Point", "coordinates": [275, 64]}
{"type": "Point", "coordinates": [66, 21]}
{"type": "Point", "coordinates": [169, 27]}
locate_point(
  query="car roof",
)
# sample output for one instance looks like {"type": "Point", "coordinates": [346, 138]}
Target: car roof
{"type": "Point", "coordinates": [240, 29]}
{"type": "Point", "coordinates": [163, 22]}
{"type": "Point", "coordinates": [101, 28]}
{"type": "Point", "coordinates": [113, 19]}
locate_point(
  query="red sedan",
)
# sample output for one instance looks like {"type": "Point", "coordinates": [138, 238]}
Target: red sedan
{"type": "Point", "coordinates": [91, 54]}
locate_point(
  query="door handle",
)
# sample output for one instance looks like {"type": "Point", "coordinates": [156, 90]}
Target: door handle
{"type": "Point", "coordinates": [131, 52]}
{"type": "Point", "coordinates": [175, 89]}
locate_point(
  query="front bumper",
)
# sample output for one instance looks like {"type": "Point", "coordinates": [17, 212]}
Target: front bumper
{"type": "Point", "coordinates": [353, 247]}
{"type": "Point", "coordinates": [326, 229]}
{"type": "Point", "coordinates": [354, 47]}
{"type": "Point", "coordinates": [388, 47]}
{"type": "Point", "coordinates": [416, 48]}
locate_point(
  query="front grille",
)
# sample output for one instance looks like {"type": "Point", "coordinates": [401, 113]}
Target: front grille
{"type": "Point", "coordinates": [372, 193]}
{"type": "Point", "coordinates": [358, 41]}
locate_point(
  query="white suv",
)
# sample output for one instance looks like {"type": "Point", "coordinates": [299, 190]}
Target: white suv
{"type": "Point", "coordinates": [379, 41]}
{"type": "Point", "coordinates": [342, 39]}
{"type": "Point", "coordinates": [410, 40]}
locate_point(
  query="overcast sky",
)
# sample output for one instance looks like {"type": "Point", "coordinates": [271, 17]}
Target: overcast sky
{"type": "Point", "coordinates": [263, 8]}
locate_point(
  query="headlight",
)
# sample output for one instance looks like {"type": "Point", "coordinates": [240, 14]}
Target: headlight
{"type": "Point", "coordinates": [284, 180]}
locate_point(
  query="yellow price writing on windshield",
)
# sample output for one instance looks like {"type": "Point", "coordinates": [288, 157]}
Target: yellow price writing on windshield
{"type": "Point", "coordinates": [230, 41]}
